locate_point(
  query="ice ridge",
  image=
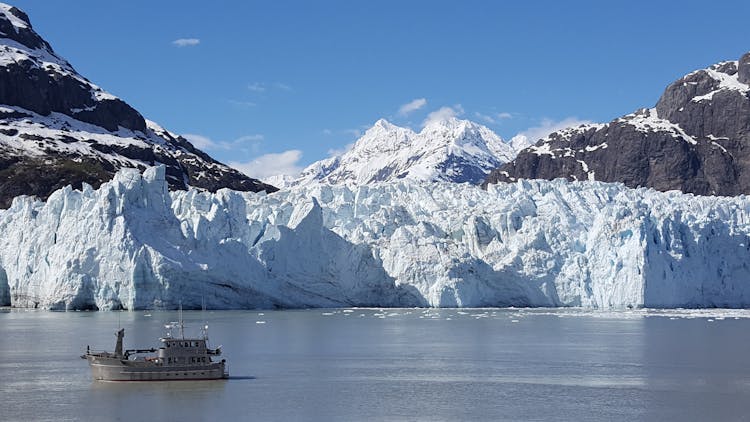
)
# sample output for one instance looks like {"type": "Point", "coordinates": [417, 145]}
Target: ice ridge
{"type": "Point", "coordinates": [132, 244]}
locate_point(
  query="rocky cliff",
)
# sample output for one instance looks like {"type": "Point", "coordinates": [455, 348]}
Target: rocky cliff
{"type": "Point", "coordinates": [696, 139]}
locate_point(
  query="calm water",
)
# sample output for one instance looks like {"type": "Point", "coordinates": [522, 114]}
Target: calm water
{"type": "Point", "coordinates": [405, 364]}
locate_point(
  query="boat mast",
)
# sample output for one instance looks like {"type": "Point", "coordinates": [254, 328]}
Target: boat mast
{"type": "Point", "coordinates": [182, 325]}
{"type": "Point", "coordinates": [203, 314]}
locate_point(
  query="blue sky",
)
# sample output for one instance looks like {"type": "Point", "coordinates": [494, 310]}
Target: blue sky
{"type": "Point", "coordinates": [300, 80]}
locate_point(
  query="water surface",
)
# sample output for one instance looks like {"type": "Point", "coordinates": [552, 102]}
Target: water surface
{"type": "Point", "coordinates": [402, 364]}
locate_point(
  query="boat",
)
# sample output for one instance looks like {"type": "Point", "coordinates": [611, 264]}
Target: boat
{"type": "Point", "coordinates": [176, 359]}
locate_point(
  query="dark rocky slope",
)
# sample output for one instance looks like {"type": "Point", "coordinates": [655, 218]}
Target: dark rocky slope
{"type": "Point", "coordinates": [58, 128]}
{"type": "Point", "coordinates": [696, 139]}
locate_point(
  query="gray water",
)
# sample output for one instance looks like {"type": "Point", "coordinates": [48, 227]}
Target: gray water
{"type": "Point", "coordinates": [403, 364]}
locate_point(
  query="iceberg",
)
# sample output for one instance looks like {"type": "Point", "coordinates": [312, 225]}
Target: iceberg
{"type": "Point", "coordinates": [132, 244]}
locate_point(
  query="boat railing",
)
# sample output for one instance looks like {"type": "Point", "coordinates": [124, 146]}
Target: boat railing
{"type": "Point", "coordinates": [98, 353]}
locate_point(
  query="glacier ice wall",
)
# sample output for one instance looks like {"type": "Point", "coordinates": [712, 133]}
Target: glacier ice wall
{"type": "Point", "coordinates": [132, 244]}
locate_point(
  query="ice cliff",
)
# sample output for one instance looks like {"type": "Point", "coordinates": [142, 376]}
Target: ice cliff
{"type": "Point", "coordinates": [133, 244]}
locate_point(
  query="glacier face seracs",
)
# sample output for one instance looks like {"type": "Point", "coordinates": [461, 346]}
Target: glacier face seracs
{"type": "Point", "coordinates": [133, 244]}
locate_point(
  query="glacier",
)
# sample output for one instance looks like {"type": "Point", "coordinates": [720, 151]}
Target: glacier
{"type": "Point", "coordinates": [132, 244]}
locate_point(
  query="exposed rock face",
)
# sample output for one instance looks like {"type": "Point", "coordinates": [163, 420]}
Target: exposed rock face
{"type": "Point", "coordinates": [43, 82]}
{"type": "Point", "coordinates": [743, 74]}
{"type": "Point", "coordinates": [58, 128]}
{"type": "Point", "coordinates": [695, 140]}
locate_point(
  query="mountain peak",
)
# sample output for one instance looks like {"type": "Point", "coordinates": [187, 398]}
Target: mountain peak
{"type": "Point", "coordinates": [57, 128]}
{"type": "Point", "coordinates": [16, 26]}
{"type": "Point", "coordinates": [450, 122]}
{"type": "Point", "coordinates": [447, 149]}
{"type": "Point", "coordinates": [384, 124]}
{"type": "Point", "coordinates": [16, 16]}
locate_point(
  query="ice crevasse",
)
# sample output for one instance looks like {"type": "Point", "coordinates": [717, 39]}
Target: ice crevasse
{"type": "Point", "coordinates": [132, 244]}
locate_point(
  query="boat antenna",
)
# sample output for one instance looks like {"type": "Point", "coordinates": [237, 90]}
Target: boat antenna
{"type": "Point", "coordinates": [182, 325]}
{"type": "Point", "coordinates": [203, 312]}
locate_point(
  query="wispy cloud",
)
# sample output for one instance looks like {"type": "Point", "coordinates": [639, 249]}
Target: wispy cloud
{"type": "Point", "coordinates": [353, 132]}
{"type": "Point", "coordinates": [249, 138]}
{"type": "Point", "coordinates": [243, 103]}
{"type": "Point", "coordinates": [548, 126]}
{"type": "Point", "coordinates": [485, 118]}
{"type": "Point", "coordinates": [208, 144]}
{"type": "Point", "coordinates": [186, 42]}
{"type": "Point", "coordinates": [412, 106]}
{"type": "Point", "coordinates": [443, 113]}
{"type": "Point", "coordinates": [256, 87]}
{"type": "Point", "coordinates": [493, 118]}
{"type": "Point", "coordinates": [200, 141]}
{"type": "Point", "coordinates": [264, 166]}
{"type": "Point", "coordinates": [260, 87]}
{"type": "Point", "coordinates": [335, 152]}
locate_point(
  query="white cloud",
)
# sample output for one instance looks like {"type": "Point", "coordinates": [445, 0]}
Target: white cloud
{"type": "Point", "coordinates": [485, 118]}
{"type": "Point", "coordinates": [206, 143]}
{"type": "Point", "coordinates": [286, 163]}
{"type": "Point", "coordinates": [411, 106]}
{"type": "Point", "coordinates": [443, 113]}
{"type": "Point", "coordinates": [252, 138]}
{"type": "Point", "coordinates": [493, 118]}
{"type": "Point", "coordinates": [327, 132]}
{"type": "Point", "coordinates": [243, 103]}
{"type": "Point", "coordinates": [548, 126]}
{"type": "Point", "coordinates": [260, 87]}
{"type": "Point", "coordinates": [186, 42]}
{"type": "Point", "coordinates": [256, 87]}
{"type": "Point", "coordinates": [353, 132]}
{"type": "Point", "coordinates": [199, 141]}
{"type": "Point", "coordinates": [336, 152]}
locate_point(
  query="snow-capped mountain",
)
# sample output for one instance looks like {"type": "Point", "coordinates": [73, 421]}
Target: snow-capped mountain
{"type": "Point", "coordinates": [695, 140]}
{"type": "Point", "coordinates": [133, 244]}
{"type": "Point", "coordinates": [58, 128]}
{"type": "Point", "coordinates": [448, 149]}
